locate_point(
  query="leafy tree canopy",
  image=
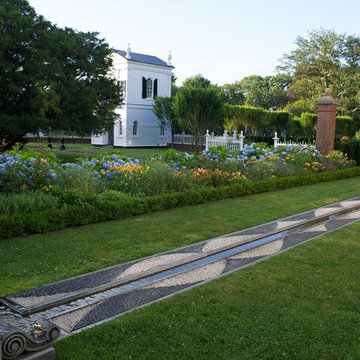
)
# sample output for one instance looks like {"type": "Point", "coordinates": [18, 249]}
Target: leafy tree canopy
{"type": "Point", "coordinates": [197, 81]}
{"type": "Point", "coordinates": [173, 85]}
{"type": "Point", "coordinates": [233, 93]}
{"type": "Point", "coordinates": [51, 78]}
{"type": "Point", "coordinates": [164, 111]}
{"type": "Point", "coordinates": [198, 107]}
{"type": "Point", "coordinates": [325, 59]}
{"type": "Point", "coordinates": [266, 92]}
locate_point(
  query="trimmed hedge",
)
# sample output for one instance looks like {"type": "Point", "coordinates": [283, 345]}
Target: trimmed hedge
{"type": "Point", "coordinates": [238, 116]}
{"type": "Point", "coordinates": [351, 149]}
{"type": "Point", "coordinates": [55, 219]}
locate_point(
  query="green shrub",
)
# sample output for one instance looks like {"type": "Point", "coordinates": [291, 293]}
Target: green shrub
{"type": "Point", "coordinates": [36, 201]}
{"type": "Point", "coordinates": [351, 149]}
{"type": "Point", "coordinates": [238, 117]}
{"type": "Point", "coordinates": [262, 169]}
{"type": "Point", "coordinates": [308, 122]}
{"type": "Point", "coordinates": [151, 180]}
{"type": "Point", "coordinates": [345, 125]}
{"type": "Point", "coordinates": [75, 177]}
{"type": "Point", "coordinates": [109, 208]}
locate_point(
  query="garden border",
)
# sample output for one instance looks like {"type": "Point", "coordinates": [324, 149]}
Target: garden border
{"type": "Point", "coordinates": [50, 220]}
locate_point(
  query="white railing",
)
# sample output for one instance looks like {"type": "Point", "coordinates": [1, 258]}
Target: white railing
{"type": "Point", "coordinates": [233, 142]}
{"type": "Point", "coordinates": [286, 143]}
{"type": "Point", "coordinates": [185, 139]}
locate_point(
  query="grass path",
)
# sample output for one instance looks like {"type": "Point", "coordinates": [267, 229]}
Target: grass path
{"type": "Point", "coordinates": [40, 259]}
{"type": "Point", "coordinates": [302, 304]}
{"type": "Point", "coordinates": [74, 151]}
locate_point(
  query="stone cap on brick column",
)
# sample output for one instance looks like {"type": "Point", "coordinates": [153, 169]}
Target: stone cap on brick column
{"type": "Point", "coordinates": [327, 99]}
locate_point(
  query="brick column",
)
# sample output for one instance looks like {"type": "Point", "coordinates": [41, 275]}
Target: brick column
{"type": "Point", "coordinates": [326, 122]}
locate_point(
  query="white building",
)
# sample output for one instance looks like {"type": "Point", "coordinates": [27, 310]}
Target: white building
{"type": "Point", "coordinates": [142, 78]}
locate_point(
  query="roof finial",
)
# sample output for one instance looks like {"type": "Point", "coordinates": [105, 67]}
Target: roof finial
{"type": "Point", "coordinates": [128, 52]}
{"type": "Point", "coordinates": [169, 58]}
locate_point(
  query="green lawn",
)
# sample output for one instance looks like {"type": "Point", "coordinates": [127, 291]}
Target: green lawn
{"type": "Point", "coordinates": [39, 259]}
{"type": "Point", "coordinates": [74, 151]}
{"type": "Point", "coordinates": [303, 304]}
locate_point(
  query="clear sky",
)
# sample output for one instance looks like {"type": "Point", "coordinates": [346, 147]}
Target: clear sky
{"type": "Point", "coordinates": [223, 40]}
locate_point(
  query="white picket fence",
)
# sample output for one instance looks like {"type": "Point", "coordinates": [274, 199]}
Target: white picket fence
{"type": "Point", "coordinates": [233, 142]}
{"type": "Point", "coordinates": [286, 143]}
{"type": "Point", "coordinates": [185, 139]}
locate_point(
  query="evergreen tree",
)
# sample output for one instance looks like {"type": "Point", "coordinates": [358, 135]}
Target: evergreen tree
{"type": "Point", "coordinates": [199, 106]}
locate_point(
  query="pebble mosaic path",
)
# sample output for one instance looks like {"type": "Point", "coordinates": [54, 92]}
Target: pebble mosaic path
{"type": "Point", "coordinates": [81, 302]}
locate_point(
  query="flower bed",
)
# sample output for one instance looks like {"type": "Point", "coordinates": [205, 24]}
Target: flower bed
{"type": "Point", "coordinates": [114, 186]}
{"type": "Point", "coordinates": [171, 172]}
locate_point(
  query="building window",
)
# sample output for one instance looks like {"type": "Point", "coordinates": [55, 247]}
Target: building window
{"type": "Point", "coordinates": [155, 88]}
{"type": "Point", "coordinates": [123, 88]}
{"type": "Point", "coordinates": [135, 128]}
{"type": "Point", "coordinates": [162, 129]}
{"type": "Point", "coordinates": [120, 128]}
{"type": "Point", "coordinates": [149, 88]}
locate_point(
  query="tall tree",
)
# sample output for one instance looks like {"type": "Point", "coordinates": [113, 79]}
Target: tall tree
{"type": "Point", "coordinates": [164, 111]}
{"type": "Point", "coordinates": [51, 78]}
{"type": "Point", "coordinates": [197, 82]}
{"type": "Point", "coordinates": [199, 109]}
{"type": "Point", "coordinates": [266, 92]}
{"type": "Point", "coordinates": [324, 59]}
{"type": "Point", "coordinates": [233, 93]}
{"type": "Point", "coordinates": [317, 58]}
{"type": "Point", "coordinates": [173, 85]}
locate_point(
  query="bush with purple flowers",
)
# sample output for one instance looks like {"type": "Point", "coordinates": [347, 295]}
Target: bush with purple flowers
{"type": "Point", "coordinates": [26, 170]}
{"type": "Point", "coordinates": [173, 171]}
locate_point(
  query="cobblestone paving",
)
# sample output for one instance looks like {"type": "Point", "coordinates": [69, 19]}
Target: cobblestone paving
{"type": "Point", "coordinates": [34, 299]}
{"type": "Point", "coordinates": [114, 306]}
{"type": "Point", "coordinates": [238, 249]}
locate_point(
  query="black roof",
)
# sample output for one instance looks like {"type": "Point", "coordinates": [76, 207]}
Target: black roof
{"type": "Point", "coordinates": [142, 58]}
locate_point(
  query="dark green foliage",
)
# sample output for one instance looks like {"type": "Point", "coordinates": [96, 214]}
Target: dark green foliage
{"type": "Point", "coordinates": [103, 208]}
{"type": "Point", "coordinates": [324, 59]}
{"type": "Point", "coordinates": [345, 126]}
{"type": "Point", "coordinates": [308, 122]}
{"type": "Point", "coordinates": [197, 82]}
{"type": "Point", "coordinates": [164, 111]}
{"type": "Point", "coordinates": [199, 108]}
{"type": "Point", "coordinates": [351, 149]}
{"type": "Point", "coordinates": [51, 77]}
{"type": "Point", "coordinates": [266, 92]}
{"type": "Point", "coordinates": [21, 203]}
{"type": "Point", "coordinates": [233, 93]}
{"type": "Point", "coordinates": [250, 119]}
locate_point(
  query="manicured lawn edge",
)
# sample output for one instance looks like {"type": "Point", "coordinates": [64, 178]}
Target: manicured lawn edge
{"type": "Point", "coordinates": [56, 219]}
{"type": "Point", "coordinates": [301, 304]}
